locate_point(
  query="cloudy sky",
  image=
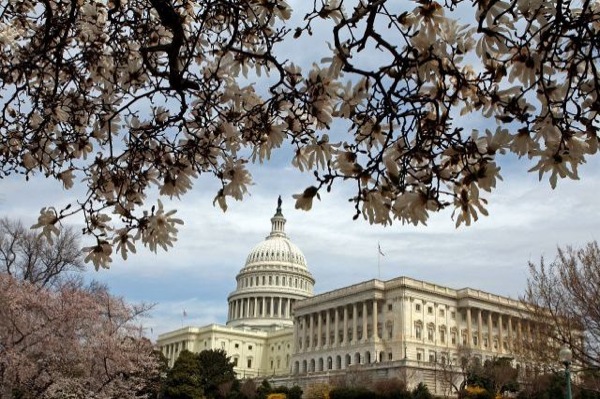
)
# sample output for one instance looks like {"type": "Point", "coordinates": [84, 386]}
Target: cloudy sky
{"type": "Point", "coordinates": [527, 220]}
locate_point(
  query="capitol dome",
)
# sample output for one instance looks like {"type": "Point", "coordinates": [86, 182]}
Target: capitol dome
{"type": "Point", "coordinates": [274, 277]}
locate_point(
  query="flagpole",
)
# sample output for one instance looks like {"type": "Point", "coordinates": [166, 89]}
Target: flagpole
{"type": "Point", "coordinates": [378, 263]}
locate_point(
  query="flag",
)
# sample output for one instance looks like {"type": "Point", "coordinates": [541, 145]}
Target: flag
{"type": "Point", "coordinates": [379, 249]}
{"type": "Point", "coordinates": [184, 313]}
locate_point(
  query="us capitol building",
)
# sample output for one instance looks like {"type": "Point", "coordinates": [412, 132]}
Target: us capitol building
{"type": "Point", "coordinates": [400, 328]}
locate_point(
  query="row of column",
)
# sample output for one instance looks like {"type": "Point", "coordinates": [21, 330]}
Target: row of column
{"type": "Point", "coordinates": [500, 318]}
{"type": "Point", "coordinates": [315, 330]}
{"type": "Point", "coordinates": [268, 306]}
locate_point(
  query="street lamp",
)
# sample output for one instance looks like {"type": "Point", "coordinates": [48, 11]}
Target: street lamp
{"type": "Point", "coordinates": [565, 355]}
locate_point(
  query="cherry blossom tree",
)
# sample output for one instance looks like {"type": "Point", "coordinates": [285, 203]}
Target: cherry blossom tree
{"type": "Point", "coordinates": [71, 342]}
{"type": "Point", "coordinates": [128, 96]}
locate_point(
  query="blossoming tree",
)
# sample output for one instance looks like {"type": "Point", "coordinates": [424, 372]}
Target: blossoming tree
{"type": "Point", "coordinates": [71, 342]}
{"type": "Point", "coordinates": [131, 95]}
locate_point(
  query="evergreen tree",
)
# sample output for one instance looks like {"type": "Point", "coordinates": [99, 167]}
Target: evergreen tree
{"type": "Point", "coordinates": [421, 392]}
{"type": "Point", "coordinates": [183, 380]}
{"type": "Point", "coordinates": [215, 369]}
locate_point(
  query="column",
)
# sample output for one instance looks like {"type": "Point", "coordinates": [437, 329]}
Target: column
{"type": "Point", "coordinates": [479, 328]}
{"type": "Point", "coordinates": [520, 334]}
{"type": "Point", "coordinates": [290, 307]}
{"type": "Point", "coordinates": [500, 334]}
{"type": "Point", "coordinates": [247, 307]}
{"type": "Point", "coordinates": [375, 332]}
{"type": "Point", "coordinates": [296, 334]}
{"type": "Point", "coordinates": [345, 326]}
{"type": "Point", "coordinates": [490, 331]}
{"type": "Point", "coordinates": [336, 327]}
{"type": "Point", "coordinates": [327, 342]}
{"type": "Point", "coordinates": [255, 306]}
{"type": "Point", "coordinates": [510, 334]}
{"type": "Point", "coordinates": [354, 322]}
{"type": "Point", "coordinates": [311, 338]}
{"type": "Point", "coordinates": [364, 322]}
{"type": "Point", "coordinates": [319, 330]}
{"type": "Point", "coordinates": [469, 331]}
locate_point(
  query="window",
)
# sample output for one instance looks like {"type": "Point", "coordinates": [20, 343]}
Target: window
{"type": "Point", "coordinates": [453, 315]}
{"type": "Point", "coordinates": [453, 338]}
{"type": "Point", "coordinates": [429, 309]}
{"type": "Point", "coordinates": [418, 332]}
{"type": "Point", "coordinates": [389, 306]}
{"type": "Point", "coordinates": [485, 343]}
{"type": "Point", "coordinates": [271, 363]}
{"type": "Point", "coordinates": [418, 307]}
{"type": "Point", "coordinates": [442, 335]}
{"type": "Point", "coordinates": [249, 347]}
{"type": "Point", "coordinates": [430, 334]}
{"type": "Point", "coordinates": [442, 313]}
{"type": "Point", "coordinates": [237, 346]}
{"type": "Point", "coordinates": [249, 363]}
{"type": "Point", "coordinates": [475, 340]}
{"type": "Point", "coordinates": [431, 357]}
{"type": "Point", "coordinates": [235, 362]}
{"type": "Point", "coordinates": [419, 354]}
{"type": "Point", "coordinates": [390, 356]}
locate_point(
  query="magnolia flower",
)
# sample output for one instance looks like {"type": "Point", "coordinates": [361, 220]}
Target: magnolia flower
{"type": "Point", "coordinates": [376, 208]}
{"type": "Point", "coordinates": [177, 182]}
{"type": "Point", "coordinates": [413, 207]}
{"type": "Point", "coordinates": [345, 162]}
{"type": "Point", "coordinates": [47, 221]}
{"type": "Point", "coordinates": [160, 229]}
{"type": "Point", "coordinates": [124, 243]}
{"type": "Point", "coordinates": [239, 178]}
{"type": "Point", "coordinates": [67, 178]}
{"type": "Point", "coordinates": [99, 255]}
{"type": "Point", "coordinates": [556, 162]}
{"type": "Point", "coordinates": [304, 200]}
{"type": "Point", "coordinates": [221, 200]}
{"type": "Point", "coordinates": [468, 203]}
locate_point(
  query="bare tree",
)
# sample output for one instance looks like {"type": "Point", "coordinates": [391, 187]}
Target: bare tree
{"type": "Point", "coordinates": [26, 255]}
{"type": "Point", "coordinates": [564, 300]}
